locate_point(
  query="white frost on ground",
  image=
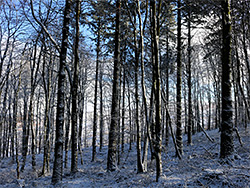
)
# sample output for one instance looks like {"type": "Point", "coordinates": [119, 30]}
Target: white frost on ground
{"type": "Point", "coordinates": [200, 167]}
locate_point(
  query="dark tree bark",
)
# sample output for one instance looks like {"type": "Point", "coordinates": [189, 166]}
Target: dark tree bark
{"type": "Point", "coordinates": [25, 138]}
{"type": "Point", "coordinates": [34, 67]}
{"type": "Point", "coordinates": [113, 132]}
{"type": "Point", "coordinates": [157, 84]}
{"type": "Point", "coordinates": [5, 121]}
{"type": "Point", "coordinates": [226, 146]}
{"type": "Point", "coordinates": [101, 108]}
{"type": "Point", "coordinates": [74, 117]}
{"type": "Point", "coordinates": [137, 121]}
{"type": "Point", "coordinates": [96, 89]}
{"type": "Point", "coordinates": [189, 81]}
{"type": "Point", "coordinates": [130, 119]}
{"type": "Point", "coordinates": [15, 102]}
{"type": "Point", "coordinates": [167, 92]}
{"type": "Point", "coordinates": [123, 105]}
{"type": "Point", "coordinates": [147, 136]}
{"type": "Point", "coordinates": [85, 123]}
{"type": "Point", "coordinates": [178, 85]}
{"type": "Point", "coordinates": [58, 161]}
{"type": "Point", "coordinates": [67, 127]}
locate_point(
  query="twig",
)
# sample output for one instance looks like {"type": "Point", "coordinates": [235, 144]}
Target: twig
{"type": "Point", "coordinates": [238, 135]}
{"type": "Point", "coordinates": [209, 138]}
{"type": "Point", "coordinates": [207, 151]}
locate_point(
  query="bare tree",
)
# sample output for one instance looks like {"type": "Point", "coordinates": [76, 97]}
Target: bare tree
{"type": "Point", "coordinates": [113, 132]}
{"type": "Point", "coordinates": [227, 146]}
{"type": "Point", "coordinates": [157, 85]}
{"type": "Point", "coordinates": [58, 162]}
{"type": "Point", "coordinates": [74, 116]}
{"type": "Point", "coordinates": [178, 85]}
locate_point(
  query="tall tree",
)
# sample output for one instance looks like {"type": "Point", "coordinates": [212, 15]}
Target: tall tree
{"type": "Point", "coordinates": [189, 79]}
{"type": "Point", "coordinates": [178, 85]}
{"type": "Point", "coordinates": [58, 161]}
{"type": "Point", "coordinates": [142, 25]}
{"type": "Point", "coordinates": [96, 88]}
{"type": "Point", "coordinates": [47, 78]}
{"type": "Point", "coordinates": [74, 115]}
{"type": "Point", "coordinates": [226, 146]}
{"type": "Point", "coordinates": [137, 122]}
{"type": "Point", "coordinates": [157, 86]}
{"type": "Point", "coordinates": [113, 132]}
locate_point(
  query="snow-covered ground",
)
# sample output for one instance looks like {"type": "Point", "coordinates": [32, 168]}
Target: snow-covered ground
{"type": "Point", "coordinates": [200, 167]}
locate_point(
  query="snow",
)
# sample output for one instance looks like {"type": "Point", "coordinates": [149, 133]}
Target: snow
{"type": "Point", "coordinates": [200, 167]}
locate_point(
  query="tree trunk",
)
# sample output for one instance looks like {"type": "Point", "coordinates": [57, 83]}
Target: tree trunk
{"type": "Point", "coordinates": [113, 132]}
{"type": "Point", "coordinates": [137, 121]}
{"type": "Point", "coordinates": [15, 102]}
{"type": "Point", "coordinates": [157, 83]}
{"type": "Point", "coordinates": [67, 126]}
{"type": "Point", "coordinates": [47, 116]}
{"type": "Point", "coordinates": [179, 83]}
{"type": "Point", "coordinates": [147, 135]}
{"type": "Point", "coordinates": [101, 109]}
{"type": "Point", "coordinates": [96, 90]}
{"type": "Point", "coordinates": [86, 121]}
{"type": "Point", "coordinates": [74, 115]}
{"type": "Point", "coordinates": [58, 161]}
{"type": "Point", "coordinates": [25, 139]}
{"type": "Point", "coordinates": [189, 81]}
{"type": "Point", "coordinates": [81, 105]}
{"type": "Point", "coordinates": [130, 120]}
{"type": "Point", "coordinates": [226, 146]}
{"type": "Point", "coordinates": [167, 92]}
{"type": "Point", "coordinates": [123, 105]}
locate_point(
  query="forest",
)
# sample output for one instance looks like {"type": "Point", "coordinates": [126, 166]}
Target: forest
{"type": "Point", "coordinates": [124, 93]}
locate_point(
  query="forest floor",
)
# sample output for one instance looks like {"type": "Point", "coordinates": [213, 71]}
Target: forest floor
{"type": "Point", "coordinates": [200, 167]}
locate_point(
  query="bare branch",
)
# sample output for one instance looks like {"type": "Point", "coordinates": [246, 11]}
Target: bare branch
{"type": "Point", "coordinates": [43, 27]}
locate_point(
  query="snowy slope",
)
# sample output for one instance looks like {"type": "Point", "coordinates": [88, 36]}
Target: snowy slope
{"type": "Point", "coordinates": [200, 167]}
